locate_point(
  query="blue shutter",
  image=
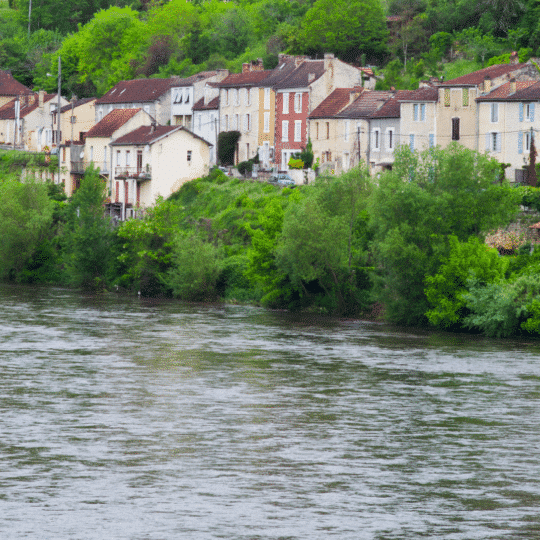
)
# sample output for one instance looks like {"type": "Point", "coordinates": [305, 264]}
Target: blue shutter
{"type": "Point", "coordinates": [498, 141]}
{"type": "Point", "coordinates": [532, 112]}
{"type": "Point", "coordinates": [521, 112]}
{"type": "Point", "coordinates": [488, 146]}
{"type": "Point", "coordinates": [431, 140]}
{"type": "Point", "coordinates": [520, 142]}
{"type": "Point", "coordinates": [423, 112]}
{"type": "Point", "coordinates": [411, 142]}
{"type": "Point", "coordinates": [415, 112]}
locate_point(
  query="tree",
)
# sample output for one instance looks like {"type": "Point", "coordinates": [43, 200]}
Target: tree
{"type": "Point", "coordinates": [347, 28]}
{"type": "Point", "coordinates": [88, 235]}
{"type": "Point", "coordinates": [426, 197]}
{"type": "Point", "coordinates": [25, 216]}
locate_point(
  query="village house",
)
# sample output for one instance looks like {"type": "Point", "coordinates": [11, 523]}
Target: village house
{"type": "Point", "coordinates": [508, 120]}
{"type": "Point", "coordinates": [97, 148]}
{"type": "Point", "coordinates": [27, 121]}
{"type": "Point", "coordinates": [76, 119]}
{"type": "Point", "coordinates": [151, 95]}
{"type": "Point", "coordinates": [206, 119]}
{"type": "Point", "coordinates": [240, 102]}
{"type": "Point", "coordinates": [308, 85]}
{"type": "Point", "coordinates": [153, 161]}
{"type": "Point", "coordinates": [11, 88]}
{"type": "Point", "coordinates": [187, 92]}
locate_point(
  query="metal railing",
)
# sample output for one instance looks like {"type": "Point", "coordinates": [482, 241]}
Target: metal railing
{"type": "Point", "coordinates": [138, 173]}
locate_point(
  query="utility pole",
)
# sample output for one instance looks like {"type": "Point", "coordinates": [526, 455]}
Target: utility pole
{"type": "Point", "coordinates": [58, 132]}
{"type": "Point", "coordinates": [29, 17]}
{"type": "Point", "coordinates": [17, 121]}
{"type": "Point", "coordinates": [216, 129]}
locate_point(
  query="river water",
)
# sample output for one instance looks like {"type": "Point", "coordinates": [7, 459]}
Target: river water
{"type": "Point", "coordinates": [128, 419]}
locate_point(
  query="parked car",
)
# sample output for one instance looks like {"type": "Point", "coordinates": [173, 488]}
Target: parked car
{"type": "Point", "coordinates": [283, 180]}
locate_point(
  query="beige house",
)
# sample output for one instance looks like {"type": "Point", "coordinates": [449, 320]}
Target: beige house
{"type": "Point", "coordinates": [27, 121]}
{"type": "Point", "coordinates": [457, 114]}
{"type": "Point", "coordinates": [240, 100]}
{"type": "Point", "coordinates": [76, 119]}
{"type": "Point", "coordinates": [419, 117]}
{"type": "Point", "coordinates": [153, 161]}
{"type": "Point", "coordinates": [508, 119]}
{"type": "Point", "coordinates": [97, 149]}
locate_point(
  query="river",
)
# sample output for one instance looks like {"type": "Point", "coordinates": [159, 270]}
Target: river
{"type": "Point", "coordinates": [131, 419]}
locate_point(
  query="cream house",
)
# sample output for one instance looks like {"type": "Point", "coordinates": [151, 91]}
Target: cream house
{"type": "Point", "coordinates": [76, 119]}
{"type": "Point", "coordinates": [153, 161]}
{"type": "Point", "coordinates": [206, 119]}
{"type": "Point", "coordinates": [508, 119]}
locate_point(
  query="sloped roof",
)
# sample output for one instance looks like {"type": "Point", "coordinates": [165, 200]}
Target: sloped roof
{"type": "Point", "coordinates": [279, 73]}
{"type": "Point", "coordinates": [188, 81]}
{"type": "Point", "coordinates": [392, 108]}
{"type": "Point", "coordinates": [137, 91]}
{"type": "Point", "coordinates": [477, 77]}
{"type": "Point", "coordinates": [301, 77]}
{"type": "Point", "coordinates": [7, 111]}
{"type": "Point", "coordinates": [10, 86]}
{"type": "Point", "coordinates": [525, 91]}
{"type": "Point", "coordinates": [78, 103]}
{"type": "Point", "coordinates": [364, 105]}
{"type": "Point", "coordinates": [111, 122]}
{"type": "Point", "coordinates": [212, 104]}
{"type": "Point", "coordinates": [150, 134]}
{"type": "Point", "coordinates": [330, 106]}
{"type": "Point", "coordinates": [427, 93]}
{"type": "Point", "coordinates": [250, 78]}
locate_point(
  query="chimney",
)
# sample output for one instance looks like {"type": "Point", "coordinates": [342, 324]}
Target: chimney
{"type": "Point", "coordinates": [299, 60]}
{"type": "Point", "coordinates": [41, 97]}
{"type": "Point", "coordinates": [310, 77]}
{"type": "Point", "coordinates": [246, 66]}
{"type": "Point", "coordinates": [153, 126]}
{"type": "Point", "coordinates": [514, 58]}
{"type": "Point", "coordinates": [354, 93]}
{"type": "Point", "coordinates": [260, 64]}
{"type": "Point", "coordinates": [487, 84]}
{"type": "Point", "coordinates": [221, 74]}
{"type": "Point", "coordinates": [328, 60]}
{"type": "Point", "coordinates": [513, 85]}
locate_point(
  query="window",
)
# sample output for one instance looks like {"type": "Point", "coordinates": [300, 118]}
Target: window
{"type": "Point", "coordinates": [118, 158]}
{"type": "Point", "coordinates": [524, 142]}
{"type": "Point", "coordinates": [447, 97]}
{"type": "Point", "coordinates": [189, 155]}
{"type": "Point", "coordinates": [431, 140]}
{"type": "Point", "coordinates": [390, 139]}
{"type": "Point", "coordinates": [91, 153]}
{"type": "Point", "coordinates": [266, 127]}
{"type": "Point", "coordinates": [327, 130]}
{"type": "Point", "coordinates": [527, 141]}
{"type": "Point", "coordinates": [529, 112]}
{"type": "Point", "coordinates": [465, 97]}
{"type": "Point", "coordinates": [128, 158]}
{"type": "Point", "coordinates": [267, 98]}
{"type": "Point", "coordinates": [236, 124]}
{"type": "Point", "coordinates": [285, 130]}
{"type": "Point", "coordinates": [346, 161]}
{"type": "Point", "coordinates": [411, 142]}
{"type": "Point", "coordinates": [376, 139]}
{"type": "Point", "coordinates": [247, 121]}
{"type": "Point", "coordinates": [347, 129]}
{"type": "Point", "coordinates": [455, 129]}
{"type": "Point", "coordinates": [316, 130]}
{"type": "Point", "coordinates": [236, 97]}
{"type": "Point", "coordinates": [227, 95]}
{"type": "Point", "coordinates": [298, 130]}
{"type": "Point", "coordinates": [493, 141]}
{"type": "Point", "coordinates": [419, 112]}
{"type": "Point", "coordinates": [298, 102]}
{"type": "Point", "coordinates": [494, 112]}
{"type": "Point", "coordinates": [286, 103]}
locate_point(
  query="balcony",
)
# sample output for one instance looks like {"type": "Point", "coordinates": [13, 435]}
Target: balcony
{"type": "Point", "coordinates": [78, 167]}
{"type": "Point", "coordinates": [141, 174]}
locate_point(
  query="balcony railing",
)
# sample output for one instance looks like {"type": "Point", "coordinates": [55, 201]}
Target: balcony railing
{"type": "Point", "coordinates": [78, 167]}
{"type": "Point", "coordinates": [138, 173]}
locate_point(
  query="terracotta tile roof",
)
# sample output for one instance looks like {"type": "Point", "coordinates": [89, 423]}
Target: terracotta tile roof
{"type": "Point", "coordinates": [212, 104]}
{"type": "Point", "coordinates": [188, 81]}
{"type": "Point", "coordinates": [137, 91]}
{"type": "Point", "coordinates": [367, 71]}
{"type": "Point", "coordinates": [428, 93]}
{"type": "Point", "coordinates": [392, 108]}
{"type": "Point", "coordinates": [279, 73]}
{"type": "Point", "coordinates": [7, 111]}
{"type": "Point", "coordinates": [364, 105]}
{"type": "Point", "coordinates": [150, 134]}
{"type": "Point", "coordinates": [336, 101]}
{"type": "Point", "coordinates": [10, 86]}
{"type": "Point", "coordinates": [307, 72]}
{"type": "Point", "coordinates": [111, 122]}
{"type": "Point", "coordinates": [477, 77]}
{"type": "Point", "coordinates": [525, 91]}
{"type": "Point", "coordinates": [250, 78]}
{"type": "Point", "coordinates": [78, 103]}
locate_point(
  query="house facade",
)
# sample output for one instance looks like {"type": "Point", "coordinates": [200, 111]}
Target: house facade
{"type": "Point", "coordinates": [76, 119]}
{"type": "Point", "coordinates": [151, 95]}
{"type": "Point", "coordinates": [206, 120]}
{"type": "Point", "coordinates": [153, 161]}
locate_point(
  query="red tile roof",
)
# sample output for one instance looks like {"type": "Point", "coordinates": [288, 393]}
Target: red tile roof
{"type": "Point", "coordinates": [525, 91]}
{"type": "Point", "coordinates": [392, 108]}
{"type": "Point", "coordinates": [7, 111]}
{"type": "Point", "coordinates": [427, 93]}
{"type": "Point", "coordinates": [137, 91]}
{"type": "Point", "coordinates": [111, 122]}
{"type": "Point", "coordinates": [336, 101]}
{"type": "Point", "coordinates": [250, 78]}
{"type": "Point", "coordinates": [10, 86]}
{"type": "Point", "coordinates": [477, 77]}
{"type": "Point", "coordinates": [150, 134]}
{"type": "Point", "coordinates": [212, 104]}
{"type": "Point", "coordinates": [365, 105]}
